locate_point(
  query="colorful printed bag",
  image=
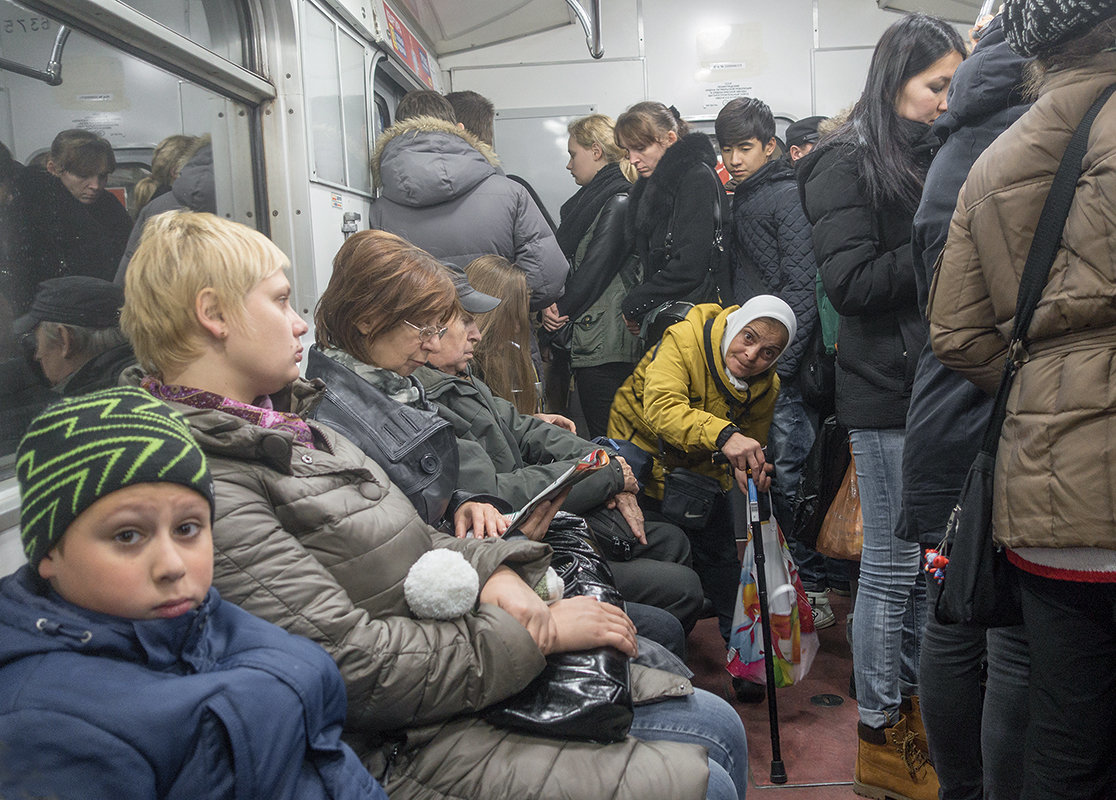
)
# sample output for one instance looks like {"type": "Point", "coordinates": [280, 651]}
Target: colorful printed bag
{"type": "Point", "coordinates": [792, 624]}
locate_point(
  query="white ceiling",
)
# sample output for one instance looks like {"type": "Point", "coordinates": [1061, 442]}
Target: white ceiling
{"type": "Point", "coordinates": [457, 25]}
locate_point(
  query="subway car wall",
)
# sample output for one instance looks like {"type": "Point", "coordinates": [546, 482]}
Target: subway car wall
{"type": "Point", "coordinates": [290, 96]}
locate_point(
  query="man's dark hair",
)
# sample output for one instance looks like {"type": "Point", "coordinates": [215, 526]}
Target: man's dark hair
{"type": "Point", "coordinates": [744, 118]}
{"type": "Point", "coordinates": [424, 103]}
{"type": "Point", "coordinates": [475, 112]}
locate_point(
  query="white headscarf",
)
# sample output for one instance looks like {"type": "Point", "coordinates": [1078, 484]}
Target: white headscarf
{"type": "Point", "coordinates": [762, 305]}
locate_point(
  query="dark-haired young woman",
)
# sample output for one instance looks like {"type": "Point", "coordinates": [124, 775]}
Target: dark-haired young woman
{"type": "Point", "coordinates": [670, 209]}
{"type": "Point", "coordinates": [860, 189]}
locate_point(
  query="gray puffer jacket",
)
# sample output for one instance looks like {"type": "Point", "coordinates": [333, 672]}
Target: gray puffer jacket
{"type": "Point", "coordinates": [319, 542]}
{"type": "Point", "coordinates": [441, 188]}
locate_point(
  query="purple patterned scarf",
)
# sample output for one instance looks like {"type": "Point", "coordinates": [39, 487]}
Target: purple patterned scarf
{"type": "Point", "coordinates": [263, 415]}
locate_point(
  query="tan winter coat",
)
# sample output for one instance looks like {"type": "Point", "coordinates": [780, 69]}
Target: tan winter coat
{"type": "Point", "coordinates": [319, 542]}
{"type": "Point", "coordinates": [1055, 467]}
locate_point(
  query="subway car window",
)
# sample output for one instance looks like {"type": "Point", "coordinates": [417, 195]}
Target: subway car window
{"type": "Point", "coordinates": [83, 164]}
{"type": "Point", "coordinates": [217, 25]}
{"type": "Point", "coordinates": [334, 75]}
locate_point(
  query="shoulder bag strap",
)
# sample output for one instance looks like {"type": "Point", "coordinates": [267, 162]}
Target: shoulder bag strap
{"type": "Point", "coordinates": [1044, 247]}
{"type": "Point", "coordinates": [711, 364]}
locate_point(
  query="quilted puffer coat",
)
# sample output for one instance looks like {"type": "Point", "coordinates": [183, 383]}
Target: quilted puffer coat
{"type": "Point", "coordinates": [319, 542]}
{"type": "Point", "coordinates": [441, 188]}
{"type": "Point", "coordinates": [771, 251]}
{"type": "Point", "coordinates": [1055, 475]}
{"type": "Point", "coordinates": [867, 267]}
{"type": "Point", "coordinates": [672, 394]}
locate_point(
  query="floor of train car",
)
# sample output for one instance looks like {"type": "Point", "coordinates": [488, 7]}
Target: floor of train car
{"type": "Point", "coordinates": [817, 719]}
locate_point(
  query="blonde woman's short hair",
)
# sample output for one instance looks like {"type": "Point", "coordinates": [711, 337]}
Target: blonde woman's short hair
{"type": "Point", "coordinates": [180, 254]}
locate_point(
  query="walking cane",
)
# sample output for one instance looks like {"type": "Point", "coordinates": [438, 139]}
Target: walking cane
{"type": "Point", "coordinates": [778, 771]}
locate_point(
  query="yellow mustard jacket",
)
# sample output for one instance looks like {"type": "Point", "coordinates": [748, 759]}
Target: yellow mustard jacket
{"type": "Point", "coordinates": [672, 393]}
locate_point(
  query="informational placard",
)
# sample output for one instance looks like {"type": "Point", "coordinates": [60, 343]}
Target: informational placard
{"type": "Point", "coordinates": [408, 48]}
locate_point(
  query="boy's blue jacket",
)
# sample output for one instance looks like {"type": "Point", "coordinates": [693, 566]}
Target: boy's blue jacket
{"type": "Point", "coordinates": [215, 703]}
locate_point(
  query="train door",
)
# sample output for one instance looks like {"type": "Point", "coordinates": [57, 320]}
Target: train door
{"type": "Point", "coordinates": [337, 67]}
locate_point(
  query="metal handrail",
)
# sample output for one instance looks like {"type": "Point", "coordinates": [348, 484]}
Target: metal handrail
{"type": "Point", "coordinates": [52, 75]}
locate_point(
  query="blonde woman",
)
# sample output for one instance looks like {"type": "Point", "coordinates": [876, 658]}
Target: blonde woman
{"type": "Point", "coordinates": [601, 350]}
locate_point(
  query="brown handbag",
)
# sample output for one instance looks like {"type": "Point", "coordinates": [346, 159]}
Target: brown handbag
{"type": "Point", "coordinates": [842, 531]}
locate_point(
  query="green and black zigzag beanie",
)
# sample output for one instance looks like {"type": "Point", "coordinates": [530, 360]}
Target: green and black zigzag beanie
{"type": "Point", "coordinates": [83, 448]}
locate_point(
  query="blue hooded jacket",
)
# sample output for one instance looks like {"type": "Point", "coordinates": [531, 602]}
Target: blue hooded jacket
{"type": "Point", "coordinates": [215, 703]}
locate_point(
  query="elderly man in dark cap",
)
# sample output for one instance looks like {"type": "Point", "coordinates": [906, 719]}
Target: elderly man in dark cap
{"type": "Point", "coordinates": [72, 331]}
{"type": "Point", "coordinates": [1054, 511]}
{"type": "Point", "coordinates": [802, 135]}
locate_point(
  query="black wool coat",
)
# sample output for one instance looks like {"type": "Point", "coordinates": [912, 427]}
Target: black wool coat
{"type": "Point", "coordinates": [678, 199]}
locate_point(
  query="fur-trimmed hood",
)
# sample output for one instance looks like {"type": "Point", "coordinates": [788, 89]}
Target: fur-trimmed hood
{"type": "Point", "coordinates": [653, 198]}
{"type": "Point", "coordinates": [424, 161]}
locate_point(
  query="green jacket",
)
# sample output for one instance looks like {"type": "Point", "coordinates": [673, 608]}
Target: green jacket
{"type": "Point", "coordinates": [511, 455]}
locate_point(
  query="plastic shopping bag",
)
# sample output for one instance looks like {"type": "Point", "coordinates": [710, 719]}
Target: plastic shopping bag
{"type": "Point", "coordinates": [792, 624]}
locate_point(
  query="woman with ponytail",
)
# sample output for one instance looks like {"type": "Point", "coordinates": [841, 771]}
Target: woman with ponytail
{"type": "Point", "coordinates": [670, 210]}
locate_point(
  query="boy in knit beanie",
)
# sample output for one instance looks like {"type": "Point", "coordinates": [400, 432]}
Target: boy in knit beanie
{"type": "Point", "coordinates": [122, 672]}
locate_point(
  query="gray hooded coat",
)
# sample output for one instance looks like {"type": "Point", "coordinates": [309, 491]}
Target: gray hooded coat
{"type": "Point", "coordinates": [442, 189]}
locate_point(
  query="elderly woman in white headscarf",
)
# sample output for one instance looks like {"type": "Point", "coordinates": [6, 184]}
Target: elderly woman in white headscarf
{"type": "Point", "coordinates": [708, 387]}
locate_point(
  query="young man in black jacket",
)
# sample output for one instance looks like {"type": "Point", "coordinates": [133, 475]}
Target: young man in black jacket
{"type": "Point", "coordinates": [771, 252]}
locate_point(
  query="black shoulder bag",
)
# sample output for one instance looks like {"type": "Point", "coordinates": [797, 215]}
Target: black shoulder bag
{"type": "Point", "coordinates": [690, 497]}
{"type": "Point", "coordinates": [979, 586]}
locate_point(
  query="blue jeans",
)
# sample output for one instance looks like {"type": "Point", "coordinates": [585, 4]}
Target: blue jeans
{"type": "Point", "coordinates": [975, 741]}
{"type": "Point", "coordinates": [891, 595]}
{"type": "Point", "coordinates": [705, 719]}
{"type": "Point", "coordinates": [792, 433]}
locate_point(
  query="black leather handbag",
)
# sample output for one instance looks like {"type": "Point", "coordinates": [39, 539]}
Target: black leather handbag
{"type": "Point", "coordinates": [415, 446]}
{"type": "Point", "coordinates": [979, 585]}
{"type": "Point", "coordinates": [582, 695]}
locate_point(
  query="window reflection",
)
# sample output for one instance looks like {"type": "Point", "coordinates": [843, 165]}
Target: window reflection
{"type": "Point", "coordinates": [82, 166]}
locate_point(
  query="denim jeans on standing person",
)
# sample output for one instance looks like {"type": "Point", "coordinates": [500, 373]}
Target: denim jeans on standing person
{"type": "Point", "coordinates": [792, 433]}
{"type": "Point", "coordinates": [975, 742]}
{"type": "Point", "coordinates": [891, 594]}
{"type": "Point", "coordinates": [1071, 628]}
{"type": "Point", "coordinates": [705, 719]}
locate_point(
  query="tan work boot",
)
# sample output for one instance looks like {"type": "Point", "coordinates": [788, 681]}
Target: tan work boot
{"type": "Point", "coordinates": [911, 708]}
{"type": "Point", "coordinates": [889, 766]}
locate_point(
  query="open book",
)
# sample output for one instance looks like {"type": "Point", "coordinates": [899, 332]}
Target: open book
{"type": "Point", "coordinates": [576, 473]}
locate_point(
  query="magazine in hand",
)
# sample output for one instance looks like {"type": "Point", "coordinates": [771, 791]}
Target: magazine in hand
{"type": "Point", "coordinates": [576, 473]}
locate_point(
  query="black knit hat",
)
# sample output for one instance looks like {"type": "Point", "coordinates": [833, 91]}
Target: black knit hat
{"type": "Point", "coordinates": [1032, 26]}
{"type": "Point", "coordinates": [83, 448]}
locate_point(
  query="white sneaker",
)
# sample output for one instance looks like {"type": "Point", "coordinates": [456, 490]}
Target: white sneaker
{"type": "Point", "coordinates": [822, 611]}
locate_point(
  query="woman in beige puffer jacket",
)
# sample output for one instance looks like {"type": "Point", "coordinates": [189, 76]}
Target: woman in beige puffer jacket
{"type": "Point", "coordinates": [1055, 474]}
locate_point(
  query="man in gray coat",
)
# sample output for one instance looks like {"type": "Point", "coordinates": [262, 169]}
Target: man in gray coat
{"type": "Point", "coordinates": [441, 188]}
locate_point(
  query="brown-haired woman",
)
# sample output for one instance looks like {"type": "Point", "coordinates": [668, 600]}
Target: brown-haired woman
{"type": "Point", "coordinates": [68, 224]}
{"type": "Point", "coordinates": [672, 210]}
